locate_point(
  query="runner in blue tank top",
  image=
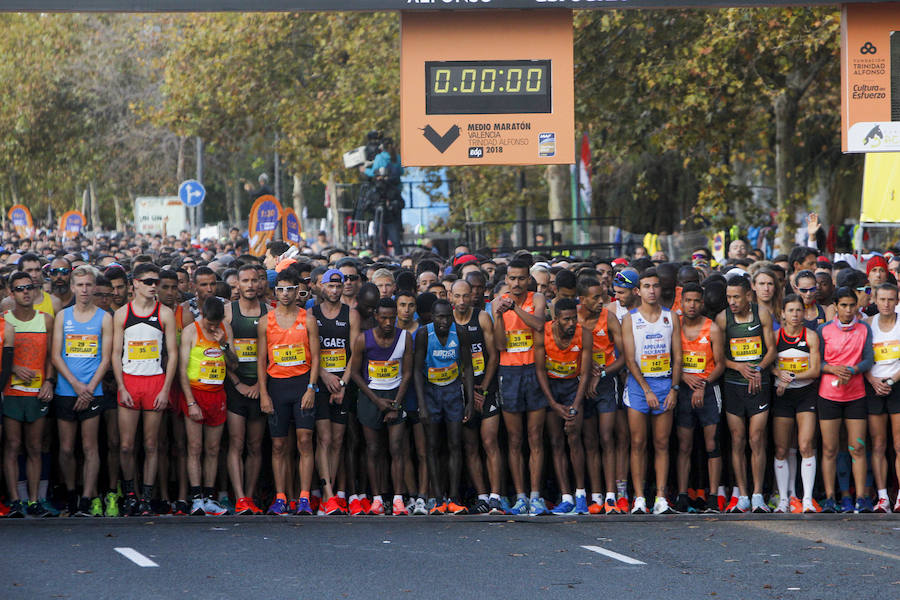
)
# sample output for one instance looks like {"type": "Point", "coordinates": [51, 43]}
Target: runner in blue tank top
{"type": "Point", "coordinates": [443, 364]}
{"type": "Point", "coordinates": [82, 347]}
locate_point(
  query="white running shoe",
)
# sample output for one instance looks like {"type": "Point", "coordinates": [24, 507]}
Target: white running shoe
{"type": "Point", "coordinates": [661, 506]}
{"type": "Point", "coordinates": [419, 507]}
{"type": "Point", "coordinates": [197, 507]}
{"type": "Point", "coordinates": [743, 504]}
{"type": "Point", "coordinates": [212, 507]}
{"type": "Point", "coordinates": [783, 506]}
{"type": "Point", "coordinates": [883, 506]}
{"type": "Point", "coordinates": [759, 504]}
{"type": "Point", "coordinates": [808, 506]}
{"type": "Point", "coordinates": [639, 507]}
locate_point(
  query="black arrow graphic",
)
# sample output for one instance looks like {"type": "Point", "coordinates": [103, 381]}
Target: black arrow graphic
{"type": "Point", "coordinates": [441, 142]}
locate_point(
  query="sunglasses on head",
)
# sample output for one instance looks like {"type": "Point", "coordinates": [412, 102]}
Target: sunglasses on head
{"type": "Point", "coordinates": [149, 281]}
{"type": "Point", "coordinates": [620, 278]}
{"type": "Point", "coordinates": [23, 288]}
{"type": "Point", "coordinates": [286, 288]}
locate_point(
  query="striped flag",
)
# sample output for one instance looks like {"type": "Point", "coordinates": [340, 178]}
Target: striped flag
{"type": "Point", "coordinates": [584, 175]}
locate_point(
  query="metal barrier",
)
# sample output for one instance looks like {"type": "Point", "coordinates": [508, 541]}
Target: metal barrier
{"type": "Point", "coordinates": [582, 236]}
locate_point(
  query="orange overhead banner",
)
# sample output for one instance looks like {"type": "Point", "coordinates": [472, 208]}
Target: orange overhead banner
{"type": "Point", "coordinates": [870, 79]}
{"type": "Point", "coordinates": [264, 216]}
{"type": "Point", "coordinates": [487, 88]}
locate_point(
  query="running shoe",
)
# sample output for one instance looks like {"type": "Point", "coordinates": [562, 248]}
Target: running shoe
{"type": "Point", "coordinates": [863, 505]}
{"type": "Point", "coordinates": [454, 508]}
{"type": "Point", "coordinates": [504, 505]}
{"type": "Point", "coordinates": [732, 506]}
{"type": "Point", "coordinates": [96, 507]}
{"type": "Point", "coordinates": [759, 505]}
{"type": "Point", "coordinates": [809, 507]}
{"type": "Point", "coordinates": [161, 507]}
{"type": "Point", "coordinates": [52, 511]}
{"type": "Point", "coordinates": [145, 509]}
{"type": "Point", "coordinates": [622, 504]}
{"type": "Point", "coordinates": [419, 508]}
{"type": "Point", "coordinates": [682, 503]}
{"type": "Point", "coordinates": [640, 506]}
{"type": "Point", "coordinates": [722, 502]}
{"type": "Point", "coordinates": [698, 504]}
{"type": "Point", "coordinates": [481, 507]}
{"type": "Point", "coordinates": [377, 509]}
{"type": "Point", "coordinates": [897, 504]}
{"type": "Point", "coordinates": [537, 507]}
{"type": "Point", "coordinates": [581, 507]}
{"type": "Point", "coordinates": [84, 508]}
{"type": "Point", "coordinates": [180, 508]}
{"type": "Point", "coordinates": [398, 508]}
{"type": "Point", "coordinates": [596, 508]}
{"type": "Point", "coordinates": [342, 502]}
{"type": "Point", "coordinates": [743, 504]}
{"type": "Point", "coordinates": [366, 506]}
{"type": "Point", "coordinates": [661, 507]}
{"type": "Point", "coordinates": [355, 508]}
{"type": "Point", "coordinates": [496, 506]}
{"type": "Point", "coordinates": [883, 506]}
{"type": "Point", "coordinates": [564, 508]}
{"type": "Point", "coordinates": [829, 505]}
{"type": "Point", "coordinates": [332, 507]}
{"type": "Point", "coordinates": [774, 502]}
{"type": "Point", "coordinates": [130, 505]}
{"type": "Point", "coordinates": [314, 503]}
{"type": "Point", "coordinates": [242, 507]}
{"type": "Point", "coordinates": [784, 506]}
{"type": "Point", "coordinates": [278, 507]}
{"type": "Point", "coordinates": [436, 508]}
{"type": "Point", "coordinates": [112, 505]}
{"type": "Point", "coordinates": [214, 507]}
{"type": "Point", "coordinates": [4, 510]}
{"type": "Point", "coordinates": [292, 507]}
{"type": "Point", "coordinates": [712, 505]}
{"type": "Point", "coordinates": [17, 510]}
{"type": "Point", "coordinates": [611, 508]}
{"type": "Point", "coordinates": [410, 504]}
{"type": "Point", "coordinates": [796, 505]}
{"type": "Point", "coordinates": [38, 511]}
{"type": "Point", "coordinates": [304, 507]}
{"type": "Point", "coordinates": [520, 507]}
{"type": "Point", "coordinates": [846, 505]}
{"type": "Point", "coordinates": [197, 507]}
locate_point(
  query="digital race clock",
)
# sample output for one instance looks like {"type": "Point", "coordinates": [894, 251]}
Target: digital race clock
{"type": "Point", "coordinates": [487, 87]}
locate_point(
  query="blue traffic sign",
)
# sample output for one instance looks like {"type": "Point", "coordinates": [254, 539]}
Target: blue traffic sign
{"type": "Point", "coordinates": [191, 192]}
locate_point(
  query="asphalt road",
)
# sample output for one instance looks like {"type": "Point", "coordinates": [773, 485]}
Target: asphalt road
{"type": "Point", "coordinates": [733, 556]}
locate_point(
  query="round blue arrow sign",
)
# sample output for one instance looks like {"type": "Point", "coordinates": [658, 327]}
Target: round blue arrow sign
{"type": "Point", "coordinates": [191, 192]}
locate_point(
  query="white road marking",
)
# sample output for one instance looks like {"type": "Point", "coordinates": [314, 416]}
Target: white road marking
{"type": "Point", "coordinates": [620, 557]}
{"type": "Point", "coordinates": [136, 557]}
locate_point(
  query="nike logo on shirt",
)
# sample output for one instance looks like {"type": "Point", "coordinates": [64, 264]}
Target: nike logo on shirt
{"type": "Point", "coordinates": [764, 406]}
{"type": "Point", "coordinates": [754, 327]}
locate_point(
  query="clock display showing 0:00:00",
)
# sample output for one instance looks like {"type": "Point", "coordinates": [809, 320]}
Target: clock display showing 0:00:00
{"type": "Point", "coordinates": [487, 87]}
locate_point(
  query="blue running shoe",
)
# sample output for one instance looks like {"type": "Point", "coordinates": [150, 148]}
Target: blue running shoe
{"type": "Point", "coordinates": [563, 508]}
{"type": "Point", "coordinates": [303, 507]}
{"type": "Point", "coordinates": [279, 507]}
{"type": "Point", "coordinates": [520, 507]}
{"type": "Point", "coordinates": [846, 505]}
{"type": "Point", "coordinates": [581, 506]}
{"type": "Point", "coordinates": [504, 504]}
{"type": "Point", "coordinates": [537, 507]}
{"type": "Point", "coordinates": [863, 505]}
{"type": "Point", "coordinates": [48, 506]}
{"type": "Point", "coordinates": [829, 505]}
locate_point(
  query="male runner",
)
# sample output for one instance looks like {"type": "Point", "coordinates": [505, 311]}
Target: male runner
{"type": "Point", "coordinates": [381, 365]}
{"type": "Point", "coordinates": [562, 358]}
{"type": "Point", "coordinates": [28, 394]}
{"type": "Point", "coordinates": [206, 353]}
{"type": "Point", "coordinates": [652, 337]}
{"type": "Point", "coordinates": [246, 423]}
{"type": "Point", "coordinates": [418, 490]}
{"type": "Point", "coordinates": [444, 382]}
{"type": "Point", "coordinates": [288, 373]}
{"type": "Point", "coordinates": [483, 426]}
{"type": "Point", "coordinates": [518, 315]}
{"type": "Point", "coordinates": [749, 351]}
{"type": "Point", "coordinates": [699, 400]}
{"type": "Point", "coordinates": [82, 345]}
{"type": "Point", "coordinates": [60, 281]}
{"type": "Point", "coordinates": [336, 325]}
{"type": "Point", "coordinates": [41, 300]}
{"type": "Point", "coordinates": [625, 284]}
{"type": "Point", "coordinates": [142, 329]}
{"type": "Point", "coordinates": [602, 392]}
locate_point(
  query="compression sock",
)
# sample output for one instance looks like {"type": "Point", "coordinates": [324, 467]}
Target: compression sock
{"type": "Point", "coordinates": [808, 475]}
{"type": "Point", "coordinates": [781, 478]}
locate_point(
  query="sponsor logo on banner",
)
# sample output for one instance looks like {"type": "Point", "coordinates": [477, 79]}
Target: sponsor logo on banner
{"type": "Point", "coordinates": [874, 137]}
{"type": "Point", "coordinates": [546, 144]}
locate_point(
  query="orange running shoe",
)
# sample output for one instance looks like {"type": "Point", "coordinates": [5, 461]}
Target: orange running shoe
{"type": "Point", "coordinates": [438, 509]}
{"type": "Point", "coordinates": [4, 510]}
{"type": "Point", "coordinates": [377, 508]}
{"type": "Point", "coordinates": [331, 507]}
{"type": "Point", "coordinates": [621, 505]}
{"type": "Point", "coordinates": [816, 505]}
{"type": "Point", "coordinates": [314, 502]}
{"type": "Point", "coordinates": [242, 506]}
{"type": "Point", "coordinates": [596, 508]}
{"type": "Point", "coordinates": [456, 509]}
{"type": "Point", "coordinates": [796, 505]}
{"type": "Point", "coordinates": [723, 502]}
{"type": "Point", "coordinates": [732, 505]}
{"type": "Point", "coordinates": [612, 508]}
{"type": "Point", "coordinates": [692, 493]}
{"type": "Point", "coordinates": [342, 502]}
{"type": "Point", "coordinates": [366, 505]}
{"type": "Point", "coordinates": [398, 508]}
{"type": "Point", "coordinates": [356, 508]}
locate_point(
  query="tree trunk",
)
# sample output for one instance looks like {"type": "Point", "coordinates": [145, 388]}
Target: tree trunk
{"type": "Point", "coordinates": [237, 194]}
{"type": "Point", "coordinates": [298, 198]}
{"type": "Point", "coordinates": [558, 202]}
{"type": "Point", "coordinates": [13, 188]}
{"type": "Point", "coordinates": [334, 213]}
{"type": "Point", "coordinates": [229, 203]}
{"type": "Point", "coordinates": [785, 106]}
{"type": "Point", "coordinates": [117, 206]}
{"type": "Point", "coordinates": [95, 209]}
{"type": "Point", "coordinates": [179, 165]}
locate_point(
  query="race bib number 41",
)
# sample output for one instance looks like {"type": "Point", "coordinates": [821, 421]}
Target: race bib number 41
{"type": "Point", "coordinates": [289, 355]}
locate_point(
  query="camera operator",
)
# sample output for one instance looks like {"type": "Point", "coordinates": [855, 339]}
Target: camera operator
{"type": "Point", "coordinates": [386, 171]}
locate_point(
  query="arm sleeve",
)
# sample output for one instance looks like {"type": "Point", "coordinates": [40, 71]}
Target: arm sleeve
{"type": "Point", "coordinates": [868, 353]}
{"type": "Point", "coordinates": [6, 366]}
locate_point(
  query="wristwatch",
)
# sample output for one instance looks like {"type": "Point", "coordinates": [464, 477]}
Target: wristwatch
{"type": "Point", "coordinates": [341, 383]}
{"type": "Point", "coordinates": [676, 387]}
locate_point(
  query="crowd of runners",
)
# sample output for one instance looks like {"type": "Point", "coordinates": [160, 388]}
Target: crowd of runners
{"type": "Point", "coordinates": [147, 375]}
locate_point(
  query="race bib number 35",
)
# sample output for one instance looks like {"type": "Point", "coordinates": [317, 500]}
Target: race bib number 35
{"type": "Point", "coordinates": [148, 350]}
{"type": "Point", "coordinates": [746, 348]}
{"type": "Point", "coordinates": [289, 355]}
{"type": "Point", "coordinates": [519, 340]}
{"type": "Point", "coordinates": [81, 346]}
